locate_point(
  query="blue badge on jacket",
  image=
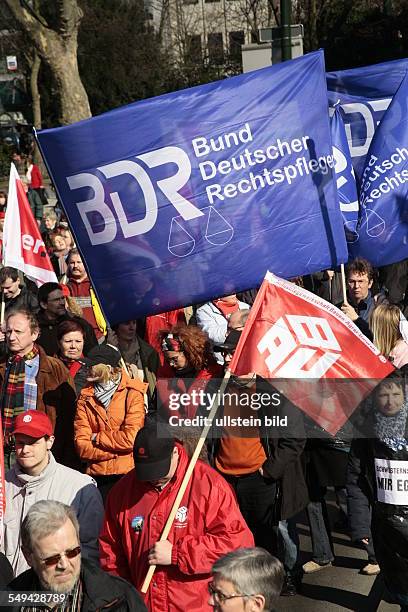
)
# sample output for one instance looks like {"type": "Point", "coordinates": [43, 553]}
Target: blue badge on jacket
{"type": "Point", "coordinates": [137, 523]}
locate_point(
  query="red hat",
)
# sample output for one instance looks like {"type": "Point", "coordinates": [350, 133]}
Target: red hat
{"type": "Point", "coordinates": [33, 423]}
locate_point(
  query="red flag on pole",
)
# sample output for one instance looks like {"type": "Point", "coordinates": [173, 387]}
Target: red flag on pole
{"type": "Point", "coordinates": [312, 348]}
{"type": "Point", "coordinates": [23, 247]}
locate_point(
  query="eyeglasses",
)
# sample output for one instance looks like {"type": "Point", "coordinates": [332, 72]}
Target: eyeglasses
{"type": "Point", "coordinates": [220, 597]}
{"type": "Point", "coordinates": [54, 559]}
{"type": "Point", "coordinates": [58, 299]}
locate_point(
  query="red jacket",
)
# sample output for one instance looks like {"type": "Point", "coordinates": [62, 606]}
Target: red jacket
{"type": "Point", "coordinates": [208, 524]}
{"type": "Point", "coordinates": [169, 384]}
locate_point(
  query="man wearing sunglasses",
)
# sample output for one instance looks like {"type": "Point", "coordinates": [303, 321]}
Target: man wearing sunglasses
{"type": "Point", "coordinates": [246, 580]}
{"type": "Point", "coordinates": [50, 542]}
{"type": "Point", "coordinates": [37, 476]}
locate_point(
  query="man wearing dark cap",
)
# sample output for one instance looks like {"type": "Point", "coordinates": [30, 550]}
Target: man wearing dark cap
{"type": "Point", "coordinates": [207, 525]}
{"type": "Point", "coordinates": [37, 476]}
{"type": "Point", "coordinates": [262, 462]}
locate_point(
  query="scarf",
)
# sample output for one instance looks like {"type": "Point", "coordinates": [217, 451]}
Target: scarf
{"type": "Point", "coordinates": [73, 365]}
{"type": "Point", "coordinates": [226, 308]}
{"type": "Point", "coordinates": [391, 429]}
{"type": "Point", "coordinates": [13, 398]}
{"type": "Point", "coordinates": [105, 391]}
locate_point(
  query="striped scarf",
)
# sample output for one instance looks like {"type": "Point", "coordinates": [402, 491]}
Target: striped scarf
{"type": "Point", "coordinates": [13, 398]}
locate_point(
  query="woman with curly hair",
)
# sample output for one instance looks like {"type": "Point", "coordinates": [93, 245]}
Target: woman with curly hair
{"type": "Point", "coordinates": [189, 365]}
{"type": "Point", "coordinates": [387, 324]}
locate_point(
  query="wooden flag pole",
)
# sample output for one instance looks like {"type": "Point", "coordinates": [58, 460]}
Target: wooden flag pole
{"type": "Point", "coordinates": [187, 476]}
{"type": "Point", "coordinates": [343, 284]}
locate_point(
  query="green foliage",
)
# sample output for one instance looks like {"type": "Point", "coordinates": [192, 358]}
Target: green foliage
{"type": "Point", "coordinates": [119, 58]}
{"type": "Point", "coordinates": [357, 33]}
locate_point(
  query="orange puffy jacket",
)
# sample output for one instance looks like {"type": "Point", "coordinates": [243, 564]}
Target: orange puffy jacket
{"type": "Point", "coordinates": [112, 450]}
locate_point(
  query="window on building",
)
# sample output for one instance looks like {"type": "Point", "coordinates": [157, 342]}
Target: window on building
{"type": "Point", "coordinates": [193, 49]}
{"type": "Point", "coordinates": [190, 1]}
{"type": "Point", "coordinates": [254, 37]}
{"type": "Point", "coordinates": [236, 40]}
{"type": "Point", "coordinates": [215, 48]}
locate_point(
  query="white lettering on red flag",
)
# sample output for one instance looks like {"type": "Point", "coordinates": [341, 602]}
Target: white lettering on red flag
{"type": "Point", "coordinates": [299, 338]}
{"type": "Point", "coordinates": [23, 247]}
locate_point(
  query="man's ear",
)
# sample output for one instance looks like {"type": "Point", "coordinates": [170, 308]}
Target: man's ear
{"type": "Point", "coordinates": [43, 305]}
{"type": "Point", "coordinates": [28, 555]}
{"type": "Point", "coordinates": [370, 283]}
{"type": "Point", "coordinates": [257, 603]}
{"type": "Point", "coordinates": [50, 442]}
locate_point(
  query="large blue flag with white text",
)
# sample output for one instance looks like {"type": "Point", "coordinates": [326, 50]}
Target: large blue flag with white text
{"type": "Point", "coordinates": [364, 95]}
{"type": "Point", "coordinates": [195, 194]}
{"type": "Point", "coordinates": [374, 111]}
{"type": "Point", "coordinates": [383, 227]}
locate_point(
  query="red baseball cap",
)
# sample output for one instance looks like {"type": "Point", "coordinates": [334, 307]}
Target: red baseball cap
{"type": "Point", "coordinates": [33, 423]}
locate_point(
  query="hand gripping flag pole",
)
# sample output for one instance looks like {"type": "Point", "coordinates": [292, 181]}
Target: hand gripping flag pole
{"type": "Point", "coordinates": [187, 475]}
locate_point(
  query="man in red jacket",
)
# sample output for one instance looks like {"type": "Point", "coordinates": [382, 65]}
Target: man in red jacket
{"type": "Point", "coordinates": [208, 524]}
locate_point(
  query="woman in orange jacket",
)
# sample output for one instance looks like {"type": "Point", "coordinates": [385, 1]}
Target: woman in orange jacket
{"type": "Point", "coordinates": [110, 412]}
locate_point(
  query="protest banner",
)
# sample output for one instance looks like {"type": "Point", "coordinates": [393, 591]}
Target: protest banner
{"type": "Point", "coordinates": [195, 194]}
{"type": "Point", "coordinates": [308, 346]}
{"type": "Point", "coordinates": [23, 247]}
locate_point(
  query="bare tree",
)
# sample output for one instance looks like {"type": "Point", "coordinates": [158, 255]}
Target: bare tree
{"type": "Point", "coordinates": [57, 46]}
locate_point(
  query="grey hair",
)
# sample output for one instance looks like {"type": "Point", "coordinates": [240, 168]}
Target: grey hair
{"type": "Point", "coordinates": [44, 518]}
{"type": "Point", "coordinates": [252, 571]}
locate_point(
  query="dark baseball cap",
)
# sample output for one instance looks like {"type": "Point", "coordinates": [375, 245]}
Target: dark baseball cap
{"type": "Point", "coordinates": [230, 342]}
{"type": "Point", "coordinates": [104, 353]}
{"type": "Point", "coordinates": [152, 452]}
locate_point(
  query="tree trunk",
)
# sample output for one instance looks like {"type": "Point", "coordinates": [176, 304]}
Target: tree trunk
{"type": "Point", "coordinates": [36, 99]}
{"type": "Point", "coordinates": [73, 102]}
{"type": "Point", "coordinates": [58, 49]}
{"type": "Point", "coordinates": [35, 93]}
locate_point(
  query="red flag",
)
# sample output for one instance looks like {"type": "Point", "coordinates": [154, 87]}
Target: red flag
{"type": "Point", "coordinates": [312, 348]}
{"type": "Point", "coordinates": [23, 247]}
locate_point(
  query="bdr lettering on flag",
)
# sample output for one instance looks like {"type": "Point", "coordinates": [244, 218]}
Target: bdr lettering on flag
{"type": "Point", "coordinates": [194, 194]}
{"type": "Point", "coordinates": [311, 348]}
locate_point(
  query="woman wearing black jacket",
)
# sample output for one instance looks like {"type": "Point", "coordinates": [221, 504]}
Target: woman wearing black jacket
{"type": "Point", "coordinates": [377, 477]}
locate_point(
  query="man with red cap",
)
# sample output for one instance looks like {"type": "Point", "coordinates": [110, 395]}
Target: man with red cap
{"type": "Point", "coordinates": [37, 476]}
{"type": "Point", "coordinates": [207, 525]}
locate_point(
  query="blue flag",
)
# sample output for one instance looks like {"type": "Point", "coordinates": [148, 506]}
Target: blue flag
{"type": "Point", "coordinates": [195, 194]}
{"type": "Point", "coordinates": [364, 94]}
{"type": "Point", "coordinates": [383, 227]}
{"type": "Point", "coordinates": [345, 178]}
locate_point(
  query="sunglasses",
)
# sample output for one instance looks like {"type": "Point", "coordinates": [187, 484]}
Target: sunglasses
{"type": "Point", "coordinates": [54, 559]}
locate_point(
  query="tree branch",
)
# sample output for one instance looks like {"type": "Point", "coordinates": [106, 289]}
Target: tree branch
{"type": "Point", "coordinates": [30, 24]}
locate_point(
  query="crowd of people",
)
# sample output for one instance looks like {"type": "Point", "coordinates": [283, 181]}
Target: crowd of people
{"type": "Point", "coordinates": [93, 468]}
